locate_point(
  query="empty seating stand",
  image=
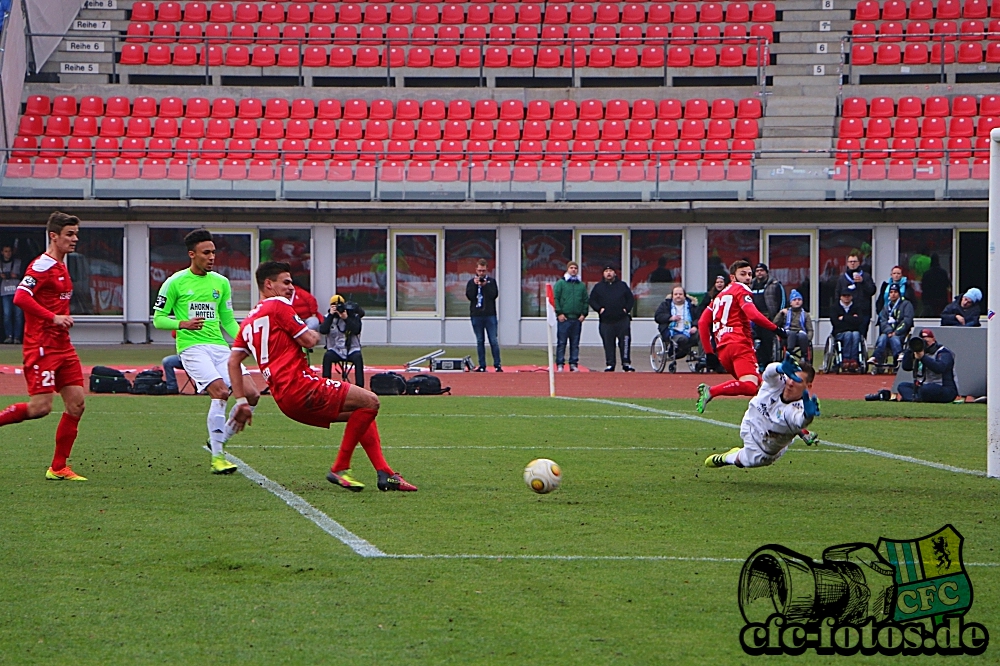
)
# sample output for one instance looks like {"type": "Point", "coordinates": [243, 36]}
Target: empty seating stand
{"type": "Point", "coordinates": [918, 138]}
{"type": "Point", "coordinates": [449, 35]}
{"type": "Point", "coordinates": [361, 140]}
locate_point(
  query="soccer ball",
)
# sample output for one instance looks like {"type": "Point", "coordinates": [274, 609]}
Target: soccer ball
{"type": "Point", "coordinates": [542, 475]}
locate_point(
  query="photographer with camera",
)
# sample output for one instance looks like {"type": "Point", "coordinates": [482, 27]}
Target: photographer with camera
{"type": "Point", "coordinates": [933, 367]}
{"type": "Point", "coordinates": [482, 292]}
{"type": "Point", "coordinates": [342, 328]}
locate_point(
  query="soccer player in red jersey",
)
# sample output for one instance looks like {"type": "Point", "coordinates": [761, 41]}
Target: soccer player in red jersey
{"type": "Point", "coordinates": [274, 335]}
{"type": "Point", "coordinates": [728, 317]}
{"type": "Point", "coordinates": [50, 362]}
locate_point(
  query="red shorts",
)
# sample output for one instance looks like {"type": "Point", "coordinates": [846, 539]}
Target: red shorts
{"type": "Point", "coordinates": [52, 372]}
{"type": "Point", "coordinates": [739, 360]}
{"type": "Point", "coordinates": [316, 402]}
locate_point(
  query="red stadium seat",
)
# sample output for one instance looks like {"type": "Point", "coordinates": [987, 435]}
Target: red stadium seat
{"type": "Point", "coordinates": [862, 54]}
{"type": "Point", "coordinates": [764, 12]}
{"type": "Point", "coordinates": [915, 54]}
{"type": "Point", "coordinates": [907, 128]}
{"type": "Point", "coordinates": [888, 54]}
{"type": "Point", "coordinates": [867, 10]}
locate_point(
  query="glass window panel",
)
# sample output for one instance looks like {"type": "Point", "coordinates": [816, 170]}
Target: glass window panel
{"type": "Point", "coordinates": [972, 258]}
{"type": "Point", "coordinates": [655, 268]}
{"type": "Point", "coordinates": [788, 261]}
{"type": "Point", "coordinates": [728, 245]}
{"type": "Point", "coordinates": [361, 268]}
{"type": "Point", "coordinates": [925, 257]}
{"type": "Point", "coordinates": [167, 255]}
{"type": "Point", "coordinates": [416, 272]}
{"type": "Point", "coordinates": [291, 246]}
{"type": "Point", "coordinates": [834, 247]}
{"type": "Point", "coordinates": [598, 251]}
{"type": "Point", "coordinates": [232, 260]}
{"type": "Point", "coordinates": [462, 250]}
{"type": "Point", "coordinates": [25, 244]}
{"type": "Point", "coordinates": [97, 271]}
{"type": "Point", "coordinates": [544, 255]}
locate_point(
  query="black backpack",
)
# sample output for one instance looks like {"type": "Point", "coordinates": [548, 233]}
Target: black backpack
{"type": "Point", "coordinates": [146, 380]}
{"type": "Point", "coordinates": [425, 385]}
{"type": "Point", "coordinates": [387, 383]}
{"type": "Point", "coordinates": [108, 380]}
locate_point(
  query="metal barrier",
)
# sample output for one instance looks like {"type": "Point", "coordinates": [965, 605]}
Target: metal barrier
{"type": "Point", "coordinates": [786, 175]}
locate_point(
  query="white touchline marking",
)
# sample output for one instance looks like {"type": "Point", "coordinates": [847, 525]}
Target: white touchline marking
{"type": "Point", "coordinates": [847, 447]}
{"type": "Point", "coordinates": [323, 521]}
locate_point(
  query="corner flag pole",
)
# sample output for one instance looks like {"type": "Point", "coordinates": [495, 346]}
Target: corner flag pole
{"type": "Point", "coordinates": [992, 307]}
{"type": "Point", "coordinates": [550, 323]}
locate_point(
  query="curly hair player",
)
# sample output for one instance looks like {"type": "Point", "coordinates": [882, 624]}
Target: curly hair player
{"type": "Point", "coordinates": [779, 412]}
{"type": "Point", "coordinates": [274, 335]}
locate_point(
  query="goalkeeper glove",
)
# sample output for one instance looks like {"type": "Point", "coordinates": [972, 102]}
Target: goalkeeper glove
{"type": "Point", "coordinates": [781, 333]}
{"type": "Point", "coordinates": [790, 368]}
{"type": "Point", "coordinates": [810, 405]}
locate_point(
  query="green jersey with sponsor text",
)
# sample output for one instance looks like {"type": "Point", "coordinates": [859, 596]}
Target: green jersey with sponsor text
{"type": "Point", "coordinates": [186, 296]}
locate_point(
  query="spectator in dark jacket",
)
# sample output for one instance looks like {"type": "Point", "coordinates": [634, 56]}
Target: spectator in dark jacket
{"type": "Point", "coordinates": [935, 283]}
{"type": "Point", "coordinates": [676, 317]}
{"type": "Point", "coordinates": [860, 284]}
{"type": "Point", "coordinates": [933, 367]}
{"type": "Point", "coordinates": [964, 310]}
{"type": "Point", "coordinates": [896, 278]}
{"type": "Point", "coordinates": [769, 297]}
{"type": "Point", "coordinates": [846, 322]}
{"type": "Point", "coordinates": [570, 295]}
{"type": "Point", "coordinates": [613, 300]}
{"type": "Point", "coordinates": [894, 324]}
{"type": "Point", "coordinates": [718, 284]}
{"type": "Point", "coordinates": [482, 292]}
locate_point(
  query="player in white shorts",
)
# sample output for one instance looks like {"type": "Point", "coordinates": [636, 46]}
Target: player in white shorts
{"type": "Point", "coordinates": [780, 411]}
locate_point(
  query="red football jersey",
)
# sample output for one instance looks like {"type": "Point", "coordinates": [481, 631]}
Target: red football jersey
{"type": "Point", "coordinates": [268, 334]}
{"type": "Point", "coordinates": [730, 314]}
{"type": "Point", "coordinates": [48, 282]}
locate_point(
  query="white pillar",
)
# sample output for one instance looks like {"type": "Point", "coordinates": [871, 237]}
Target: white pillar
{"type": "Point", "coordinates": [992, 306]}
{"type": "Point", "coordinates": [137, 305]}
{"type": "Point", "coordinates": [324, 270]}
{"type": "Point", "coordinates": [508, 274]}
{"type": "Point", "coordinates": [694, 259]}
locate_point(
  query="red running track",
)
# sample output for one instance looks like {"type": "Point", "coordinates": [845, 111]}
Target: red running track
{"type": "Point", "coordinates": [586, 385]}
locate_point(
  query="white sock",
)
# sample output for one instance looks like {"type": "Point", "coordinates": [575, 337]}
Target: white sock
{"type": "Point", "coordinates": [229, 432]}
{"type": "Point", "coordinates": [731, 457]}
{"type": "Point", "coordinates": [217, 426]}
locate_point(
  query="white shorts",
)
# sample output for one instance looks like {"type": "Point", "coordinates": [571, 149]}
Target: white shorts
{"type": "Point", "coordinates": [206, 363]}
{"type": "Point", "coordinates": [752, 455]}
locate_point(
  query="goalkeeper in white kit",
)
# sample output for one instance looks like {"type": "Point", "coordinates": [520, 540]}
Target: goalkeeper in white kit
{"type": "Point", "coordinates": [781, 409]}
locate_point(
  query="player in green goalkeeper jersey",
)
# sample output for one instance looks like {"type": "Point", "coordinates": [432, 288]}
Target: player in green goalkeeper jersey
{"type": "Point", "coordinates": [197, 303]}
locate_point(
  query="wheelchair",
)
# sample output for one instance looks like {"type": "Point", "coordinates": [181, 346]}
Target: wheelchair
{"type": "Point", "coordinates": [890, 365]}
{"type": "Point", "coordinates": [663, 355]}
{"type": "Point", "coordinates": [833, 356]}
{"type": "Point", "coordinates": [781, 346]}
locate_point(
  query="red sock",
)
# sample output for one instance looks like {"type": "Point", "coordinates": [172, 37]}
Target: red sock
{"type": "Point", "coordinates": [357, 425]}
{"type": "Point", "coordinates": [372, 444]}
{"type": "Point", "coordinates": [14, 414]}
{"type": "Point", "coordinates": [733, 387]}
{"type": "Point", "coordinates": [65, 436]}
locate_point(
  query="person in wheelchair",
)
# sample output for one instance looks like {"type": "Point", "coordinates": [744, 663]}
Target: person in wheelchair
{"type": "Point", "coordinates": [797, 323]}
{"type": "Point", "coordinates": [894, 324]}
{"type": "Point", "coordinates": [676, 318]}
{"type": "Point", "coordinates": [847, 322]}
{"type": "Point", "coordinates": [342, 328]}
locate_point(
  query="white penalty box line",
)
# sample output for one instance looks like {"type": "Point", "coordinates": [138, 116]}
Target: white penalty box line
{"type": "Point", "coordinates": [368, 550]}
{"type": "Point", "coordinates": [845, 447]}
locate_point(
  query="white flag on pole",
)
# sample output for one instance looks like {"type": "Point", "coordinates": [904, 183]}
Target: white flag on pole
{"type": "Point", "coordinates": [550, 316]}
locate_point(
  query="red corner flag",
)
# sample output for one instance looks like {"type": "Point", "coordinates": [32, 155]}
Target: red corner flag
{"type": "Point", "coordinates": [550, 306]}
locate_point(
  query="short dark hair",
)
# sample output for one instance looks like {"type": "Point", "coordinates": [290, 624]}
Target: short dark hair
{"type": "Point", "coordinates": [195, 237]}
{"type": "Point", "coordinates": [738, 264]}
{"type": "Point", "coordinates": [808, 368]}
{"type": "Point", "coordinates": [58, 221]}
{"type": "Point", "coordinates": [269, 270]}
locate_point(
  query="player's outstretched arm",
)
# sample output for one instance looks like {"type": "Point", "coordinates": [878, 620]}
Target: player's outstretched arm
{"type": "Point", "coordinates": [242, 416]}
{"type": "Point", "coordinates": [755, 315]}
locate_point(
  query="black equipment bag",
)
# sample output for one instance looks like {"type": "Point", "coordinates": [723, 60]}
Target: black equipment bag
{"type": "Point", "coordinates": [108, 380]}
{"type": "Point", "coordinates": [425, 385]}
{"type": "Point", "coordinates": [146, 380]}
{"type": "Point", "coordinates": [387, 383]}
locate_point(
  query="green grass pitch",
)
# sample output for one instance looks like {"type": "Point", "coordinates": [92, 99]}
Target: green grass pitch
{"type": "Point", "coordinates": [157, 560]}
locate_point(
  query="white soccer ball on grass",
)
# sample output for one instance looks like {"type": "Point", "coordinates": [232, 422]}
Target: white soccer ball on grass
{"type": "Point", "coordinates": [542, 475]}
